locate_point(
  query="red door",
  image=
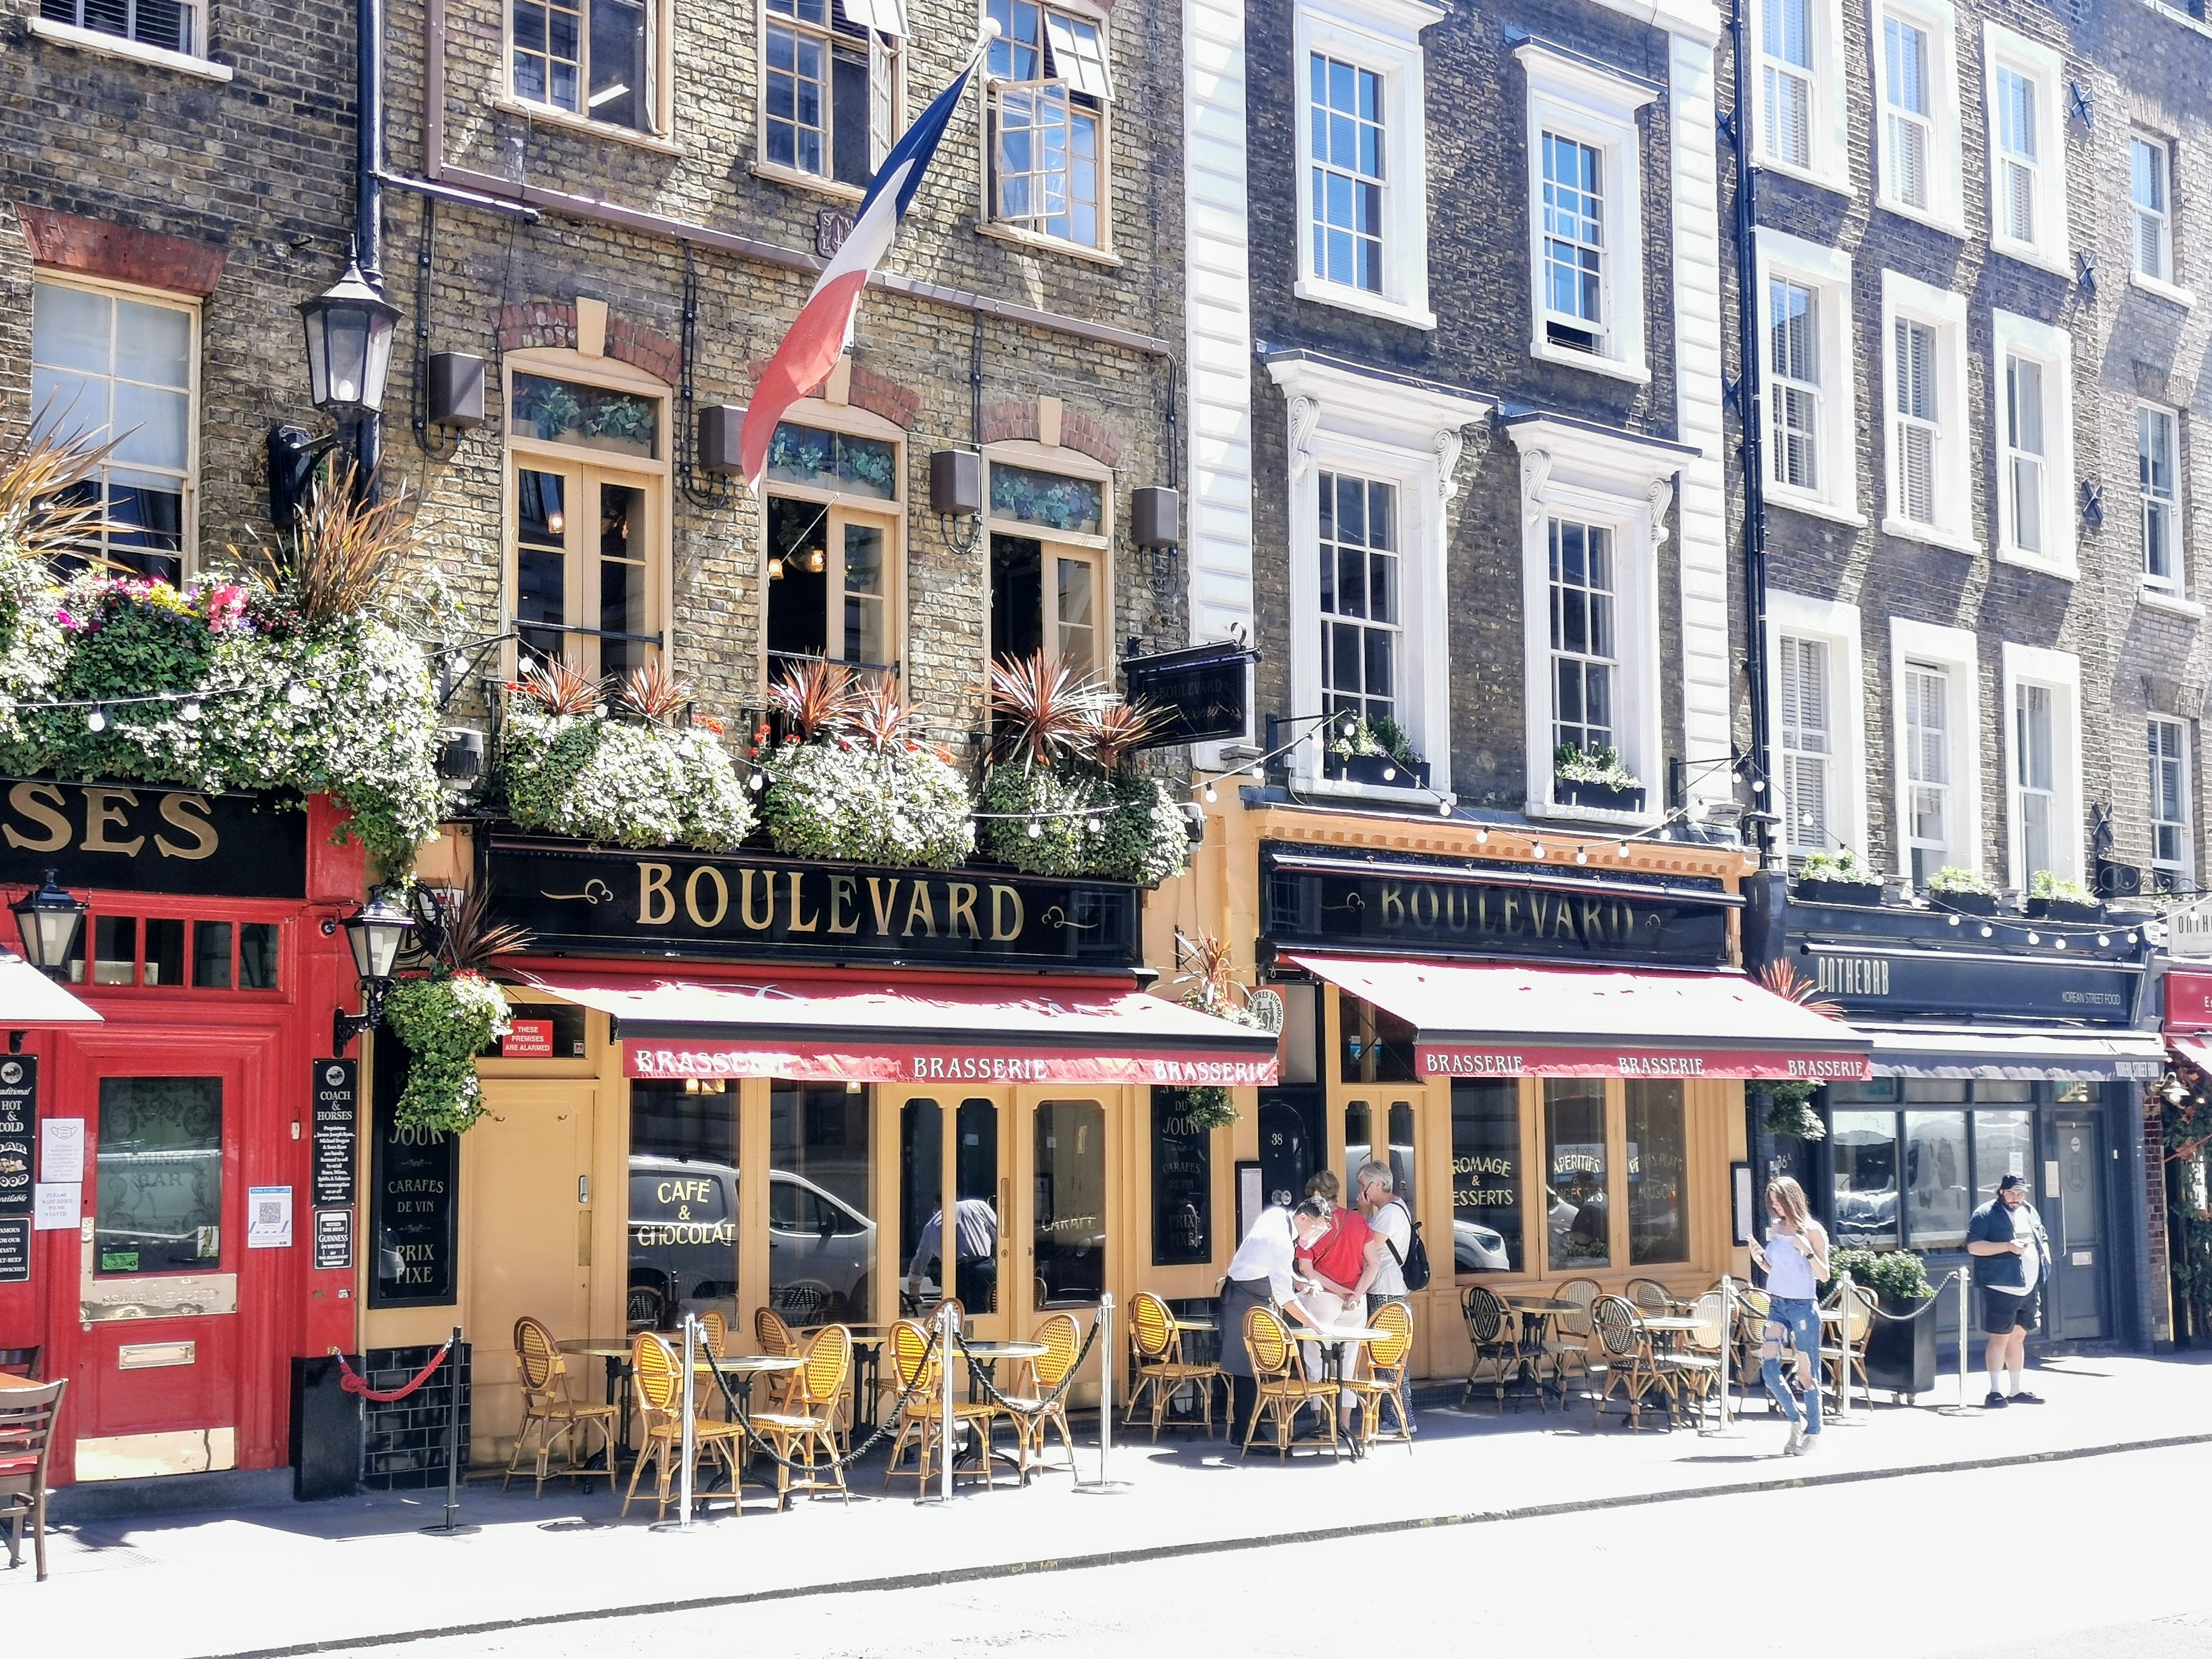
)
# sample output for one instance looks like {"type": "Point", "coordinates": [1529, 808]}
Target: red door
{"type": "Point", "coordinates": [163, 1267]}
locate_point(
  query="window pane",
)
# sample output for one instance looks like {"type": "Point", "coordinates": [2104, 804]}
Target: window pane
{"type": "Point", "coordinates": [1078, 622]}
{"type": "Point", "coordinates": [1377, 1045]}
{"type": "Point", "coordinates": [1866, 1179]}
{"type": "Point", "coordinates": [153, 344]}
{"type": "Point", "coordinates": [1069, 1241]}
{"type": "Point", "coordinates": [211, 956]}
{"type": "Point", "coordinates": [683, 1202]}
{"type": "Point", "coordinates": [797, 580]}
{"type": "Point", "coordinates": [1935, 1184]}
{"type": "Point", "coordinates": [1575, 1160]}
{"type": "Point", "coordinates": [867, 637]}
{"type": "Point", "coordinates": [921, 1189]}
{"type": "Point", "coordinates": [1047, 498]}
{"type": "Point", "coordinates": [1182, 1184]}
{"type": "Point", "coordinates": [165, 952]}
{"type": "Point", "coordinates": [70, 328]}
{"type": "Point", "coordinates": [114, 949]}
{"type": "Point", "coordinates": [819, 1171]}
{"type": "Point", "coordinates": [975, 1151]}
{"type": "Point", "coordinates": [159, 1170]}
{"type": "Point", "coordinates": [1487, 1235]}
{"type": "Point", "coordinates": [2004, 1144]}
{"type": "Point", "coordinates": [1658, 1174]}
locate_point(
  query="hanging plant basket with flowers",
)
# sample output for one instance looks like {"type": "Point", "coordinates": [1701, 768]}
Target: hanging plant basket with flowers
{"type": "Point", "coordinates": [853, 780]}
{"type": "Point", "coordinates": [643, 780]}
{"type": "Point", "coordinates": [445, 1022]}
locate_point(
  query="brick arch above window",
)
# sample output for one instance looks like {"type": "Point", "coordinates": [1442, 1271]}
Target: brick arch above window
{"type": "Point", "coordinates": [551, 324]}
{"type": "Point", "coordinates": [1049, 421]}
{"type": "Point", "coordinates": [849, 384]}
{"type": "Point", "coordinates": [120, 253]}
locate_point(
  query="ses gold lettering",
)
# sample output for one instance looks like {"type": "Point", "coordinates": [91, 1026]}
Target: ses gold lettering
{"type": "Point", "coordinates": [39, 820]}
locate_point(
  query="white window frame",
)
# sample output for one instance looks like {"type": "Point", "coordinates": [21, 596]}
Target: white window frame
{"type": "Point", "coordinates": [1945, 312]}
{"type": "Point", "coordinates": [2174, 588]}
{"type": "Point", "coordinates": [2052, 349]}
{"type": "Point", "coordinates": [2060, 673]}
{"type": "Point", "coordinates": [1958, 652]}
{"type": "Point", "coordinates": [886, 87]}
{"type": "Point", "coordinates": [1097, 550]}
{"type": "Point", "coordinates": [194, 63]}
{"type": "Point", "coordinates": [659, 65]}
{"type": "Point", "coordinates": [1385, 37]}
{"type": "Point", "coordinates": [2182, 871]}
{"type": "Point", "coordinates": [1828, 135]}
{"type": "Point", "coordinates": [1837, 625]}
{"type": "Point", "coordinates": [992, 89]}
{"type": "Point", "coordinates": [2045, 71]}
{"type": "Point", "coordinates": [100, 431]}
{"type": "Point", "coordinates": [1596, 107]}
{"type": "Point", "coordinates": [1827, 272]}
{"type": "Point", "coordinates": [1946, 208]}
{"type": "Point", "coordinates": [2166, 286]}
{"type": "Point", "coordinates": [1596, 477]}
{"type": "Point", "coordinates": [1395, 431]}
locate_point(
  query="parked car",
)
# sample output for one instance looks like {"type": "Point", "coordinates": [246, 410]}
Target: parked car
{"type": "Point", "coordinates": [1478, 1250]}
{"type": "Point", "coordinates": [683, 1235]}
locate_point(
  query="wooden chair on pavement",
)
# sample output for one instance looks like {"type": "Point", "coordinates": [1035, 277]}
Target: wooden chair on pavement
{"type": "Point", "coordinates": [1651, 1296]}
{"type": "Point", "coordinates": [1846, 1344]}
{"type": "Point", "coordinates": [918, 1373]}
{"type": "Point", "coordinates": [1495, 1333]}
{"type": "Point", "coordinates": [1693, 1367]}
{"type": "Point", "coordinates": [1630, 1364]}
{"type": "Point", "coordinates": [1160, 1367]}
{"type": "Point", "coordinates": [28, 1417]}
{"type": "Point", "coordinates": [1063, 1342]}
{"type": "Point", "coordinates": [1382, 1376]}
{"type": "Point", "coordinates": [552, 1414]}
{"type": "Point", "coordinates": [1566, 1349]}
{"type": "Point", "coordinates": [807, 1428]}
{"type": "Point", "coordinates": [1281, 1387]}
{"type": "Point", "coordinates": [657, 1375]}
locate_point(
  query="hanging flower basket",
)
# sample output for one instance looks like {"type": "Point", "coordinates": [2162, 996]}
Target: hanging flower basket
{"type": "Point", "coordinates": [445, 1023]}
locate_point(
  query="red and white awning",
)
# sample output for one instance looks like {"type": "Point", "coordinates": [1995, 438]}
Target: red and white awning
{"type": "Point", "coordinates": [1491, 1020]}
{"type": "Point", "coordinates": [853, 1030]}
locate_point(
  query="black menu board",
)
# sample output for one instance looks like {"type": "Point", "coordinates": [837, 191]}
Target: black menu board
{"type": "Point", "coordinates": [414, 1197]}
{"type": "Point", "coordinates": [18, 1128]}
{"type": "Point", "coordinates": [1182, 1184]}
{"type": "Point", "coordinates": [336, 1095]}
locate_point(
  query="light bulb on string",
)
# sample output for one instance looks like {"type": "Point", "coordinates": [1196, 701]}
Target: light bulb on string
{"type": "Point", "coordinates": [1624, 849]}
{"type": "Point", "coordinates": [191, 710]}
{"type": "Point", "coordinates": [1211, 794]}
{"type": "Point", "coordinates": [2104, 941]}
{"type": "Point", "coordinates": [1987, 930]}
{"type": "Point", "coordinates": [96, 720]}
{"type": "Point", "coordinates": [2058, 944]}
{"type": "Point", "coordinates": [1581, 857]}
{"type": "Point", "coordinates": [1535, 849]}
{"type": "Point", "coordinates": [1443, 809]}
{"type": "Point", "coordinates": [1954, 922]}
{"type": "Point", "coordinates": [1036, 831]}
{"type": "Point", "coordinates": [2035, 939]}
{"type": "Point", "coordinates": [1482, 838]}
{"type": "Point", "coordinates": [775, 570]}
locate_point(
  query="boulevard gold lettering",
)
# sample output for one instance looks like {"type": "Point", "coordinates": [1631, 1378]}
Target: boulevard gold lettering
{"type": "Point", "coordinates": [1485, 913]}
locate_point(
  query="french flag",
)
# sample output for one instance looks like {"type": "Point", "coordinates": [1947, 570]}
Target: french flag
{"type": "Point", "coordinates": [824, 327]}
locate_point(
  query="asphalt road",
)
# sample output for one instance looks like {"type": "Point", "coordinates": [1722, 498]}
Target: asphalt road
{"type": "Point", "coordinates": [2096, 1559]}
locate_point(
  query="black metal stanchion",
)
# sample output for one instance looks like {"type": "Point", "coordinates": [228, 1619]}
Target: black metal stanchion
{"type": "Point", "coordinates": [451, 1526]}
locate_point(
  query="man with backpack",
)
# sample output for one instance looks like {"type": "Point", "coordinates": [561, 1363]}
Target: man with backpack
{"type": "Point", "coordinates": [1396, 1261]}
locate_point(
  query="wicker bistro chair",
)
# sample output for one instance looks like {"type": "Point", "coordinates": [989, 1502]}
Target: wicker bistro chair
{"type": "Point", "coordinates": [1751, 1310]}
{"type": "Point", "coordinates": [1566, 1349]}
{"type": "Point", "coordinates": [1382, 1376]}
{"type": "Point", "coordinates": [918, 1374]}
{"type": "Point", "coordinates": [808, 1428]}
{"type": "Point", "coordinates": [1651, 1296]}
{"type": "Point", "coordinates": [28, 1417]}
{"type": "Point", "coordinates": [1063, 1344]}
{"type": "Point", "coordinates": [1281, 1386]}
{"type": "Point", "coordinates": [1160, 1367]}
{"type": "Point", "coordinates": [1630, 1364]}
{"type": "Point", "coordinates": [550, 1415]}
{"type": "Point", "coordinates": [1693, 1368]}
{"type": "Point", "coordinates": [774, 1337]}
{"type": "Point", "coordinates": [657, 1375]}
{"type": "Point", "coordinates": [1496, 1336]}
{"type": "Point", "coordinates": [1848, 1346]}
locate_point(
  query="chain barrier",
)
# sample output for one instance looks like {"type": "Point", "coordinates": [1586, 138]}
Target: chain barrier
{"type": "Point", "coordinates": [1927, 1306]}
{"type": "Point", "coordinates": [1038, 1407]}
{"type": "Point", "coordinates": [353, 1383]}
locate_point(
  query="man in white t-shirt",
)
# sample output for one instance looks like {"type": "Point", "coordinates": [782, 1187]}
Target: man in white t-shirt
{"type": "Point", "coordinates": [1375, 1192]}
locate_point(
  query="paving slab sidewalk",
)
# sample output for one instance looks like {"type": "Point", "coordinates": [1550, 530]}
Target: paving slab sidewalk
{"type": "Point", "coordinates": [304, 1576]}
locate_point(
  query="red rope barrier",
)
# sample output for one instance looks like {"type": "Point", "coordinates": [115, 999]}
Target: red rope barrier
{"type": "Point", "coordinates": [352, 1381]}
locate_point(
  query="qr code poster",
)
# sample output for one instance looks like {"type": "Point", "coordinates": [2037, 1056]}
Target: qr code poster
{"type": "Point", "coordinates": [268, 1217]}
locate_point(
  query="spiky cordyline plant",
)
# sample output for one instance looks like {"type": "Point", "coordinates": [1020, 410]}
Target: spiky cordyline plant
{"type": "Point", "coordinates": [879, 718]}
{"type": "Point", "coordinates": [816, 698]}
{"type": "Point", "coordinates": [37, 513]}
{"type": "Point", "coordinates": [558, 689]}
{"type": "Point", "coordinates": [1207, 963]}
{"type": "Point", "coordinates": [345, 555]}
{"type": "Point", "coordinates": [475, 938]}
{"type": "Point", "coordinates": [1786, 982]}
{"type": "Point", "coordinates": [1043, 712]}
{"type": "Point", "coordinates": [652, 691]}
{"type": "Point", "coordinates": [1119, 729]}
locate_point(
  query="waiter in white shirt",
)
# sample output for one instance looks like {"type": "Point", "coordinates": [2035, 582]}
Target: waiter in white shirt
{"type": "Point", "coordinates": [1264, 1273]}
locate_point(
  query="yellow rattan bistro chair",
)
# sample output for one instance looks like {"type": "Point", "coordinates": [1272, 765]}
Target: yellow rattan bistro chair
{"type": "Point", "coordinates": [657, 1376]}
{"type": "Point", "coordinates": [1282, 1388]}
{"type": "Point", "coordinates": [1062, 1342]}
{"type": "Point", "coordinates": [1161, 1368]}
{"type": "Point", "coordinates": [550, 1416]}
{"type": "Point", "coordinates": [918, 1374]}
{"type": "Point", "coordinates": [1847, 1344]}
{"type": "Point", "coordinates": [807, 1428]}
{"type": "Point", "coordinates": [1382, 1376]}
{"type": "Point", "coordinates": [1695, 1367]}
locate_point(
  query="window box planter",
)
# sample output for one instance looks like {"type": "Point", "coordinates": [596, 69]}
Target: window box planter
{"type": "Point", "coordinates": [2056, 909]}
{"type": "Point", "coordinates": [1900, 1350]}
{"type": "Point", "coordinates": [1371, 769]}
{"type": "Point", "coordinates": [1597, 797]}
{"type": "Point", "coordinates": [1836, 892]}
{"type": "Point", "coordinates": [1966, 904]}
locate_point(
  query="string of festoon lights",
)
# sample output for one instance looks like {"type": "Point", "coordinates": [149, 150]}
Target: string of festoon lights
{"type": "Point", "coordinates": [190, 704]}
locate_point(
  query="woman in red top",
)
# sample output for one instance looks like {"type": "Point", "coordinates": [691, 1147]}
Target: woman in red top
{"type": "Point", "coordinates": [1336, 1263]}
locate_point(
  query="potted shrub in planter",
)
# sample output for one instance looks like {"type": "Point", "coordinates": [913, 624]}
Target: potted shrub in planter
{"type": "Point", "coordinates": [1375, 751]}
{"type": "Point", "coordinates": [852, 781]}
{"type": "Point", "coordinates": [1836, 879]}
{"type": "Point", "coordinates": [1953, 889]}
{"type": "Point", "coordinates": [2053, 898]}
{"type": "Point", "coordinates": [1900, 1349]}
{"type": "Point", "coordinates": [1594, 778]}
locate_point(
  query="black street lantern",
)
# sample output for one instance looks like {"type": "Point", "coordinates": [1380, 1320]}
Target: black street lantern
{"type": "Point", "coordinates": [50, 919]}
{"type": "Point", "coordinates": [375, 933]}
{"type": "Point", "coordinates": [349, 345]}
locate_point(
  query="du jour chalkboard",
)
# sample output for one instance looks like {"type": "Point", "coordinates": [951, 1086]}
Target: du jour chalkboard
{"type": "Point", "coordinates": [414, 1197]}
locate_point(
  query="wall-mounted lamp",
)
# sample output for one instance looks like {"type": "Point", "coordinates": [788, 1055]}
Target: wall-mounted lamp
{"type": "Point", "coordinates": [375, 933]}
{"type": "Point", "coordinates": [50, 918]}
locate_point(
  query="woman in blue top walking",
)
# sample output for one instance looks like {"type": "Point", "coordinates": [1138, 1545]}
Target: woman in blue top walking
{"type": "Point", "coordinates": [1795, 1261]}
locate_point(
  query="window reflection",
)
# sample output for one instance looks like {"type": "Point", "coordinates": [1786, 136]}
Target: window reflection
{"type": "Point", "coordinates": [1574, 1129]}
{"type": "Point", "coordinates": [159, 1166]}
{"type": "Point", "coordinates": [2004, 1144]}
{"type": "Point", "coordinates": [1069, 1242]}
{"type": "Point", "coordinates": [1658, 1168]}
{"type": "Point", "coordinates": [1935, 1191]}
{"type": "Point", "coordinates": [1866, 1179]}
{"type": "Point", "coordinates": [1377, 1045]}
{"type": "Point", "coordinates": [822, 1244]}
{"type": "Point", "coordinates": [682, 1202]}
{"type": "Point", "coordinates": [1486, 1227]}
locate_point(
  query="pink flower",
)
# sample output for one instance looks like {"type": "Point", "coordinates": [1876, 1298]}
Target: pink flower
{"type": "Point", "coordinates": [226, 606]}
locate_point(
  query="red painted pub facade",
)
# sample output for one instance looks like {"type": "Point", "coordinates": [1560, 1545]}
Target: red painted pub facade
{"type": "Point", "coordinates": [173, 1269]}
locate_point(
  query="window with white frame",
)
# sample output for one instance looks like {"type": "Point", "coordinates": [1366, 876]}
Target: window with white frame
{"type": "Point", "coordinates": [1357, 550]}
{"type": "Point", "coordinates": [2170, 845]}
{"type": "Point", "coordinates": [1812, 461]}
{"type": "Point", "coordinates": [112, 367]}
{"type": "Point", "coordinates": [1928, 835]}
{"type": "Point", "coordinates": [2158, 472]}
{"type": "Point", "coordinates": [2043, 697]}
{"type": "Point", "coordinates": [1345, 109]}
{"type": "Point", "coordinates": [828, 87]}
{"type": "Point", "coordinates": [593, 59]}
{"type": "Point", "coordinates": [1919, 160]}
{"type": "Point", "coordinates": [2150, 172]}
{"type": "Point", "coordinates": [1585, 219]}
{"type": "Point", "coordinates": [178, 26]}
{"type": "Point", "coordinates": [1586, 648]}
{"type": "Point", "coordinates": [1786, 77]}
{"type": "Point", "coordinates": [2034, 421]}
{"type": "Point", "coordinates": [2026, 147]}
{"type": "Point", "coordinates": [1048, 93]}
{"type": "Point", "coordinates": [1051, 538]}
{"type": "Point", "coordinates": [2034, 782]}
{"type": "Point", "coordinates": [1929, 460]}
{"type": "Point", "coordinates": [1809, 744]}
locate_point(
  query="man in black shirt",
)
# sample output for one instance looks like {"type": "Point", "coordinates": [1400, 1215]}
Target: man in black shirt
{"type": "Point", "coordinates": [2012, 1258]}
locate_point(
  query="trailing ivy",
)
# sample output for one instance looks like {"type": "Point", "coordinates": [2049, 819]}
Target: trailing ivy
{"type": "Point", "coordinates": [630, 783]}
{"type": "Point", "coordinates": [445, 1023]}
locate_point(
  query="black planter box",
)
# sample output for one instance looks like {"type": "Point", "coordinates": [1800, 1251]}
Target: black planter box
{"type": "Point", "coordinates": [1836, 892]}
{"type": "Point", "coordinates": [1370, 769]}
{"type": "Point", "coordinates": [1901, 1350]}
{"type": "Point", "coordinates": [2054, 909]}
{"type": "Point", "coordinates": [1598, 797]}
{"type": "Point", "coordinates": [1966, 904]}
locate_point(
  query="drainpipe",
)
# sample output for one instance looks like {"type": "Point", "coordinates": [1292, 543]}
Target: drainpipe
{"type": "Point", "coordinates": [368, 199]}
{"type": "Point", "coordinates": [1751, 406]}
